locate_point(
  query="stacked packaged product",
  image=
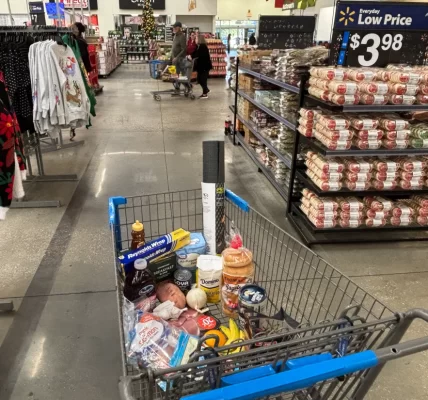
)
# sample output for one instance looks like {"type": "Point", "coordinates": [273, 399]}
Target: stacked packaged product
{"type": "Point", "coordinates": [327, 174]}
{"type": "Point", "coordinates": [346, 86]}
{"type": "Point", "coordinates": [354, 212]}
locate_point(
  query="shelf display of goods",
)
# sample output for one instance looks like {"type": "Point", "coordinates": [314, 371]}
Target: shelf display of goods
{"type": "Point", "coordinates": [218, 57]}
{"type": "Point", "coordinates": [108, 56]}
{"type": "Point", "coordinates": [133, 50]}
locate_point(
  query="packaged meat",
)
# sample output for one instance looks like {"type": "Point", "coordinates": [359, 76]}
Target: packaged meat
{"type": "Point", "coordinates": [348, 223]}
{"type": "Point", "coordinates": [414, 184]}
{"type": "Point", "coordinates": [422, 99]}
{"type": "Point", "coordinates": [319, 93]}
{"type": "Point", "coordinates": [340, 134]}
{"type": "Point", "coordinates": [422, 220]}
{"type": "Point", "coordinates": [357, 185]}
{"type": "Point", "coordinates": [385, 176]}
{"type": "Point", "coordinates": [306, 202]}
{"type": "Point", "coordinates": [307, 113]}
{"type": "Point", "coordinates": [324, 203]}
{"type": "Point", "coordinates": [370, 87]}
{"type": "Point", "coordinates": [350, 204]}
{"type": "Point", "coordinates": [332, 144]}
{"type": "Point", "coordinates": [417, 143]}
{"type": "Point", "coordinates": [358, 165]}
{"type": "Point", "coordinates": [308, 193]}
{"type": "Point", "coordinates": [421, 200]}
{"type": "Point", "coordinates": [381, 214]}
{"type": "Point", "coordinates": [333, 122]}
{"type": "Point", "coordinates": [383, 75]}
{"type": "Point", "coordinates": [371, 134]}
{"type": "Point", "coordinates": [322, 224]}
{"type": "Point", "coordinates": [324, 185]}
{"type": "Point", "coordinates": [306, 123]}
{"type": "Point", "coordinates": [319, 83]}
{"type": "Point", "coordinates": [304, 209]}
{"type": "Point", "coordinates": [401, 99]}
{"type": "Point", "coordinates": [363, 122]}
{"type": "Point", "coordinates": [408, 176]}
{"type": "Point", "coordinates": [423, 89]}
{"type": "Point", "coordinates": [326, 176]}
{"type": "Point", "coordinates": [385, 165]}
{"type": "Point", "coordinates": [411, 78]}
{"type": "Point", "coordinates": [307, 132]}
{"type": "Point", "coordinates": [410, 164]}
{"type": "Point", "coordinates": [378, 203]}
{"type": "Point", "coordinates": [353, 215]}
{"type": "Point", "coordinates": [393, 122]}
{"type": "Point", "coordinates": [402, 89]}
{"type": "Point", "coordinates": [358, 176]}
{"type": "Point", "coordinates": [360, 74]}
{"type": "Point", "coordinates": [384, 185]}
{"type": "Point", "coordinates": [345, 99]}
{"type": "Point", "coordinates": [419, 130]}
{"type": "Point", "coordinates": [329, 73]}
{"type": "Point", "coordinates": [397, 135]}
{"type": "Point", "coordinates": [401, 221]}
{"type": "Point", "coordinates": [323, 215]}
{"type": "Point", "coordinates": [374, 223]}
{"type": "Point", "coordinates": [367, 144]}
{"type": "Point", "coordinates": [373, 99]}
{"type": "Point", "coordinates": [342, 87]}
{"type": "Point", "coordinates": [395, 144]}
{"type": "Point", "coordinates": [402, 210]}
{"type": "Point", "coordinates": [327, 165]}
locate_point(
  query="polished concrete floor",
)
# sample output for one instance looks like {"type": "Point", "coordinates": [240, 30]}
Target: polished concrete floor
{"type": "Point", "coordinates": [62, 341]}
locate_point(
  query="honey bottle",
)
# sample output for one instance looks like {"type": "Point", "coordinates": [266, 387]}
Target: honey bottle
{"type": "Point", "coordinates": [138, 235]}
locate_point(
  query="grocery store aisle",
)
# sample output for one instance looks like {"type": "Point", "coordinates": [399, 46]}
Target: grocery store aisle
{"type": "Point", "coordinates": [62, 342]}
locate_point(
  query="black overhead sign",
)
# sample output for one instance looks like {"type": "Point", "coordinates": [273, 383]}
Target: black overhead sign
{"type": "Point", "coordinates": [36, 7]}
{"type": "Point", "coordinates": [139, 4]}
{"type": "Point", "coordinates": [286, 32]}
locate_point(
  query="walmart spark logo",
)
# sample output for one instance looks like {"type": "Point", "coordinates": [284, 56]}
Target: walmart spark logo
{"type": "Point", "coordinates": [347, 16]}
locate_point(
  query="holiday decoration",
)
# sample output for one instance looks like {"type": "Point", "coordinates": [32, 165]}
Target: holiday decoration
{"type": "Point", "coordinates": [148, 24]}
{"type": "Point", "coordinates": [192, 5]}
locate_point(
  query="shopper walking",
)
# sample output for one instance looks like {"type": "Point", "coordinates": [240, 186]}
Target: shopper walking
{"type": "Point", "coordinates": [203, 64]}
{"type": "Point", "coordinates": [253, 40]}
{"type": "Point", "coordinates": [179, 50]}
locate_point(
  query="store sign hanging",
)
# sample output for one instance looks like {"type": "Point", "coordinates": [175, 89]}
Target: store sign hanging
{"type": "Point", "coordinates": [139, 4]}
{"type": "Point", "coordinates": [81, 4]}
{"type": "Point", "coordinates": [36, 7]}
{"type": "Point", "coordinates": [376, 34]}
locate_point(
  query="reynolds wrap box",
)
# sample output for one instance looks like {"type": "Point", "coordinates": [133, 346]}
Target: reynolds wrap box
{"type": "Point", "coordinates": [155, 249]}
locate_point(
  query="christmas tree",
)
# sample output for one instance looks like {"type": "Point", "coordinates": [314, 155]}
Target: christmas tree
{"type": "Point", "coordinates": [148, 21]}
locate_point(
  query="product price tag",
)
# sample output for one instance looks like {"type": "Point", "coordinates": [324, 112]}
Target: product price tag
{"type": "Point", "coordinates": [373, 34]}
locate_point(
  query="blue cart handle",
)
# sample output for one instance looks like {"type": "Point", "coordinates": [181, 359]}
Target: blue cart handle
{"type": "Point", "coordinates": [292, 380]}
{"type": "Point", "coordinates": [235, 199]}
{"type": "Point", "coordinates": [114, 218]}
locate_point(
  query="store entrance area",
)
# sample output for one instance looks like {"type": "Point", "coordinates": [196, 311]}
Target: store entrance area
{"type": "Point", "coordinates": [63, 340]}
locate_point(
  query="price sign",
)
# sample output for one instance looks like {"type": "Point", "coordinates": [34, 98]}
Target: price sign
{"type": "Point", "coordinates": [375, 34]}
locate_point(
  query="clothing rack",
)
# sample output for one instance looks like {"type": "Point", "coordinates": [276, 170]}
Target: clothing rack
{"type": "Point", "coordinates": [33, 144]}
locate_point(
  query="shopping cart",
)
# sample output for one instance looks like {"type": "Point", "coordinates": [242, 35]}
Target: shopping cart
{"type": "Point", "coordinates": [182, 86]}
{"type": "Point", "coordinates": [337, 339]}
{"type": "Point", "coordinates": [156, 68]}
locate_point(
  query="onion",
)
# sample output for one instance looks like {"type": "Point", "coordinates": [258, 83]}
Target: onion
{"type": "Point", "coordinates": [197, 299]}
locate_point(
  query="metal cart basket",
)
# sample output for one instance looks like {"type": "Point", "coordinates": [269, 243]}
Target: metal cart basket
{"type": "Point", "coordinates": [338, 338]}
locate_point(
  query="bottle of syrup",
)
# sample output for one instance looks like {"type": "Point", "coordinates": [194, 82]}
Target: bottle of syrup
{"type": "Point", "coordinates": [138, 235]}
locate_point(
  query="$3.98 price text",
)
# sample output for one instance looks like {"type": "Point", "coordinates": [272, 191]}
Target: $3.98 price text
{"type": "Point", "coordinates": [374, 43]}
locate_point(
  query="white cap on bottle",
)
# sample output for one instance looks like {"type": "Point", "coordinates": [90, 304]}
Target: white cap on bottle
{"type": "Point", "coordinates": [140, 264]}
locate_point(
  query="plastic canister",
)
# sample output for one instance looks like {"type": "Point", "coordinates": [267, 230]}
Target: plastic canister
{"type": "Point", "coordinates": [188, 255]}
{"type": "Point", "coordinates": [209, 276]}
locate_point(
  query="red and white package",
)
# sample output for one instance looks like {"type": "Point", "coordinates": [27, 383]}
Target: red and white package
{"type": "Point", "coordinates": [358, 165]}
{"type": "Point", "coordinates": [308, 193]}
{"type": "Point", "coordinates": [383, 75]}
{"type": "Point", "coordinates": [422, 220]}
{"type": "Point", "coordinates": [371, 87]}
{"type": "Point", "coordinates": [308, 113]}
{"type": "Point", "coordinates": [414, 184]}
{"type": "Point", "coordinates": [422, 99]}
{"type": "Point", "coordinates": [306, 202]}
{"type": "Point", "coordinates": [342, 87]}
{"type": "Point", "coordinates": [369, 134]}
{"type": "Point", "coordinates": [395, 144]}
{"type": "Point", "coordinates": [324, 185]}
{"type": "Point", "coordinates": [305, 209]}
{"type": "Point", "coordinates": [333, 122]}
{"type": "Point", "coordinates": [322, 214]}
{"type": "Point", "coordinates": [423, 89]}
{"type": "Point", "coordinates": [325, 164]}
{"type": "Point", "coordinates": [385, 176]}
{"type": "Point", "coordinates": [364, 122]}
{"type": "Point", "coordinates": [360, 185]}
{"type": "Point", "coordinates": [411, 164]}
{"type": "Point", "coordinates": [333, 144]}
{"type": "Point", "coordinates": [374, 99]}
{"type": "Point", "coordinates": [403, 89]}
{"type": "Point", "coordinates": [375, 223]}
{"type": "Point", "coordinates": [397, 135]}
{"type": "Point", "coordinates": [324, 204]}
{"type": "Point", "coordinates": [381, 214]}
{"type": "Point", "coordinates": [412, 78]}
{"type": "Point", "coordinates": [351, 214]}
{"type": "Point", "coordinates": [306, 123]}
{"type": "Point", "coordinates": [384, 185]}
{"type": "Point", "coordinates": [340, 134]}
{"type": "Point", "coordinates": [326, 176]}
{"type": "Point", "coordinates": [350, 204]}
{"type": "Point", "coordinates": [421, 200]}
{"type": "Point", "coordinates": [358, 176]}
{"type": "Point", "coordinates": [385, 165]}
{"type": "Point", "coordinates": [350, 223]}
{"type": "Point", "coordinates": [393, 122]}
{"type": "Point", "coordinates": [322, 224]}
{"type": "Point", "coordinates": [401, 221]}
{"type": "Point", "coordinates": [367, 144]}
{"type": "Point", "coordinates": [329, 73]}
{"type": "Point", "coordinates": [360, 74]}
{"type": "Point", "coordinates": [408, 176]}
{"type": "Point", "coordinates": [401, 99]}
{"type": "Point", "coordinates": [319, 93]}
{"type": "Point", "coordinates": [402, 210]}
{"type": "Point", "coordinates": [378, 203]}
{"type": "Point", "coordinates": [308, 132]}
{"type": "Point", "coordinates": [345, 99]}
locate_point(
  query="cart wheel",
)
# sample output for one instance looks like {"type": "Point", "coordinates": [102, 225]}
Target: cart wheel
{"type": "Point", "coordinates": [192, 97]}
{"type": "Point", "coordinates": [186, 94]}
{"type": "Point", "coordinates": [157, 97]}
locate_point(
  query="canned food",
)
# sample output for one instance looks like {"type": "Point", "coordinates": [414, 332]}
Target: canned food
{"type": "Point", "coordinates": [183, 279]}
{"type": "Point", "coordinates": [252, 300]}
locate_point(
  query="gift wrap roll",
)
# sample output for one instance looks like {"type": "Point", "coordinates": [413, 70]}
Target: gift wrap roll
{"type": "Point", "coordinates": [213, 196]}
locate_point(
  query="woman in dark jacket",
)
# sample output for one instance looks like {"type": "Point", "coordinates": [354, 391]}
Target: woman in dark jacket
{"type": "Point", "coordinates": [78, 30]}
{"type": "Point", "coordinates": [203, 64]}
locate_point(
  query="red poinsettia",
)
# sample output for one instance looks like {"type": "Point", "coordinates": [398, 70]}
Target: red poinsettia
{"type": "Point", "coordinates": [7, 125]}
{"type": "Point", "coordinates": [9, 189]}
